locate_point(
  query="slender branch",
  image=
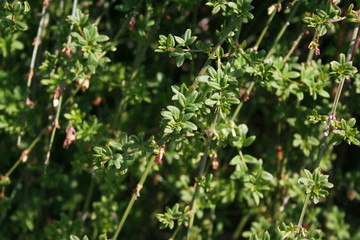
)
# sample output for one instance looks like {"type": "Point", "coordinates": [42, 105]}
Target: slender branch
{"type": "Point", "coordinates": [25, 153]}
{"type": "Point", "coordinates": [193, 204]}
{"type": "Point", "coordinates": [135, 195]}
{"type": "Point", "coordinates": [336, 99]}
{"type": "Point", "coordinates": [239, 106]}
{"type": "Point", "coordinates": [267, 25]}
{"type": "Point", "coordinates": [140, 56]}
{"type": "Point", "coordinates": [240, 226]}
{"type": "Point", "coordinates": [220, 42]}
{"type": "Point", "coordinates": [331, 117]}
{"type": "Point", "coordinates": [294, 46]}
{"type": "Point", "coordinates": [125, 24]}
{"type": "Point", "coordinates": [137, 62]}
{"type": "Point", "coordinates": [56, 121]}
{"type": "Point", "coordinates": [303, 210]}
{"type": "Point", "coordinates": [293, 11]}
{"type": "Point", "coordinates": [31, 72]}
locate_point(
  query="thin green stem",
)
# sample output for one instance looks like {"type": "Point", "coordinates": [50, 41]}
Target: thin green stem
{"type": "Point", "coordinates": [175, 232]}
{"type": "Point", "coordinates": [193, 204]}
{"type": "Point", "coordinates": [136, 193]}
{"type": "Point", "coordinates": [126, 23]}
{"type": "Point", "coordinates": [294, 46]}
{"type": "Point", "coordinates": [239, 106]}
{"type": "Point", "coordinates": [336, 99]}
{"type": "Point", "coordinates": [134, 197]}
{"type": "Point", "coordinates": [56, 121]}
{"type": "Point", "coordinates": [309, 57]}
{"type": "Point", "coordinates": [280, 34]}
{"type": "Point", "coordinates": [31, 72]}
{"type": "Point", "coordinates": [56, 125]}
{"type": "Point", "coordinates": [141, 54]}
{"type": "Point", "coordinates": [240, 226]}
{"type": "Point", "coordinates": [302, 215]}
{"type": "Point", "coordinates": [139, 58]}
{"type": "Point", "coordinates": [89, 195]}
{"type": "Point", "coordinates": [220, 42]}
{"type": "Point", "coordinates": [26, 152]}
{"type": "Point", "coordinates": [267, 25]}
{"type": "Point", "coordinates": [331, 117]}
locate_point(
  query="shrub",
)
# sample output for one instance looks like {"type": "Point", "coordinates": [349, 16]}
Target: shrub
{"type": "Point", "coordinates": [242, 113]}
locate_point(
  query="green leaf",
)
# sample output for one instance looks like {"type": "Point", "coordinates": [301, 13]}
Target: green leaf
{"type": "Point", "coordinates": [250, 159]}
{"type": "Point", "coordinates": [116, 145]}
{"type": "Point", "coordinates": [181, 99]}
{"type": "Point", "coordinates": [351, 122]}
{"type": "Point", "coordinates": [187, 116]}
{"type": "Point", "coordinates": [256, 198]}
{"type": "Point", "coordinates": [266, 236]}
{"type": "Point", "coordinates": [73, 237]}
{"type": "Point", "coordinates": [175, 112]}
{"type": "Point", "coordinates": [27, 7]}
{"type": "Point", "coordinates": [192, 97]}
{"type": "Point", "coordinates": [179, 40]}
{"type": "Point", "coordinates": [102, 38]}
{"type": "Point", "coordinates": [187, 34]}
{"type": "Point", "coordinates": [180, 61]}
{"type": "Point", "coordinates": [248, 141]}
{"type": "Point", "coordinates": [188, 125]}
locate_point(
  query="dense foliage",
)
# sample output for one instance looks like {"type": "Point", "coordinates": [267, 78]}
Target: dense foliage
{"type": "Point", "coordinates": [179, 119]}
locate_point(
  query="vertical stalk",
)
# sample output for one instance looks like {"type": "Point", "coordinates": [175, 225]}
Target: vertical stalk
{"type": "Point", "coordinates": [133, 197]}
{"type": "Point", "coordinates": [239, 106]}
{"type": "Point", "coordinates": [31, 72]}
{"type": "Point", "coordinates": [56, 121]}
{"type": "Point", "coordinates": [331, 116]}
{"type": "Point", "coordinates": [221, 41]}
{"type": "Point", "coordinates": [126, 23]}
{"type": "Point", "coordinates": [303, 210]}
{"type": "Point", "coordinates": [293, 11]}
{"type": "Point", "coordinates": [309, 57]}
{"type": "Point", "coordinates": [337, 97]}
{"type": "Point", "coordinates": [193, 204]}
{"type": "Point", "coordinates": [140, 55]}
{"type": "Point", "coordinates": [240, 226]}
{"type": "Point", "coordinates": [267, 25]}
{"type": "Point", "coordinates": [294, 46]}
{"type": "Point", "coordinates": [26, 152]}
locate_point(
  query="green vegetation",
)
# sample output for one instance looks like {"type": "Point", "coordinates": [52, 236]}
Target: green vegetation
{"type": "Point", "coordinates": [179, 119]}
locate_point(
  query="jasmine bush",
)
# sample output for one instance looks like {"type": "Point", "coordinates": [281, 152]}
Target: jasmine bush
{"type": "Point", "coordinates": [179, 119]}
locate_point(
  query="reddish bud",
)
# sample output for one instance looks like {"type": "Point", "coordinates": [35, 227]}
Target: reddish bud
{"type": "Point", "coordinates": [280, 152]}
{"type": "Point", "coordinates": [138, 189]}
{"type": "Point", "coordinates": [30, 74]}
{"type": "Point", "coordinates": [97, 101]}
{"type": "Point", "coordinates": [46, 3]}
{"type": "Point", "coordinates": [70, 136]}
{"type": "Point", "coordinates": [67, 51]}
{"type": "Point", "coordinates": [215, 162]}
{"type": "Point", "coordinates": [34, 42]}
{"type": "Point", "coordinates": [351, 196]}
{"type": "Point", "coordinates": [85, 83]}
{"type": "Point", "coordinates": [28, 102]}
{"type": "Point", "coordinates": [56, 97]}
{"type": "Point", "coordinates": [160, 155]}
{"type": "Point", "coordinates": [24, 155]}
{"type": "Point", "coordinates": [306, 226]}
{"type": "Point", "coordinates": [57, 124]}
